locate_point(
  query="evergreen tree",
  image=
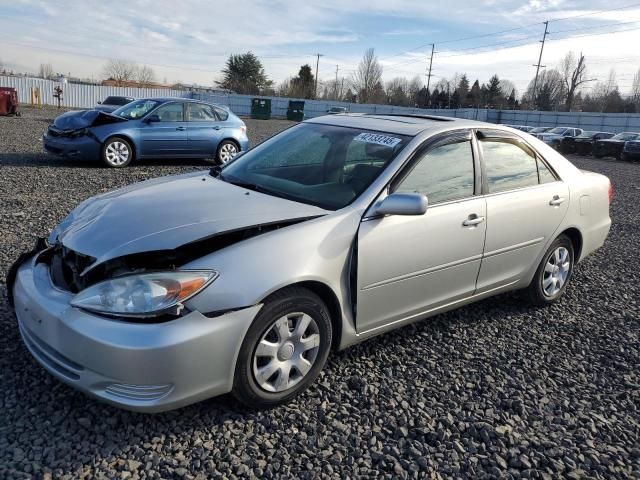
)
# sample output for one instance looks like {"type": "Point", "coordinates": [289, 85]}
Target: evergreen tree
{"type": "Point", "coordinates": [244, 74]}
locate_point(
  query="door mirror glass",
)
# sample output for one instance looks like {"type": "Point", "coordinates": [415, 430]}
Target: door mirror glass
{"type": "Point", "coordinates": [153, 118]}
{"type": "Point", "coordinates": [403, 204]}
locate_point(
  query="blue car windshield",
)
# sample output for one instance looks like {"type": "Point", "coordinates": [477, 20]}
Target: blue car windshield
{"type": "Point", "coordinates": [322, 165]}
{"type": "Point", "coordinates": [136, 110]}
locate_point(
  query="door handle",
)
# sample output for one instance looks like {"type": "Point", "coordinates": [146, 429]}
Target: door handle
{"type": "Point", "coordinates": [182, 129]}
{"type": "Point", "coordinates": [216, 127]}
{"type": "Point", "coordinates": [556, 201]}
{"type": "Point", "coordinates": [473, 220]}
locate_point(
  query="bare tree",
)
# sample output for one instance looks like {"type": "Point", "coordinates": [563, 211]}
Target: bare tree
{"type": "Point", "coordinates": [574, 74]}
{"type": "Point", "coordinates": [120, 70]}
{"type": "Point", "coordinates": [550, 91]}
{"type": "Point", "coordinates": [45, 71]}
{"type": "Point", "coordinates": [367, 79]}
{"type": "Point", "coordinates": [145, 76]}
{"type": "Point", "coordinates": [603, 90]}
{"type": "Point", "coordinates": [507, 87]}
{"type": "Point", "coordinates": [635, 90]}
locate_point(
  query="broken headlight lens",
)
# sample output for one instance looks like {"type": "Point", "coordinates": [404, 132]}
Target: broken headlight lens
{"type": "Point", "coordinates": [144, 295]}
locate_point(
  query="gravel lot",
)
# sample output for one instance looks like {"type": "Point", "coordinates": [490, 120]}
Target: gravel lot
{"type": "Point", "coordinates": [494, 389]}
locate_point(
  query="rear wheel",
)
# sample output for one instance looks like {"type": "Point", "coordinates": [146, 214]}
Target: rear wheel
{"type": "Point", "coordinates": [284, 350]}
{"type": "Point", "coordinates": [553, 273]}
{"type": "Point", "coordinates": [226, 151]}
{"type": "Point", "coordinates": [117, 152]}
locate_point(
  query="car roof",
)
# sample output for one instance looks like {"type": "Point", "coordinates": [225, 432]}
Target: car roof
{"type": "Point", "coordinates": [401, 124]}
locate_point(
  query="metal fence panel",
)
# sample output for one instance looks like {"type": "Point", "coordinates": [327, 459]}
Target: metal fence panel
{"type": "Point", "coordinates": [86, 96]}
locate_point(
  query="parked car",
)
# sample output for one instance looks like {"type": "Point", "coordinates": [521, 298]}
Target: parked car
{"type": "Point", "coordinates": [112, 103]}
{"type": "Point", "coordinates": [340, 228]}
{"type": "Point", "coordinates": [612, 147]}
{"type": "Point", "coordinates": [554, 136]}
{"type": "Point", "coordinates": [535, 130]}
{"type": "Point", "coordinates": [522, 128]}
{"type": "Point", "coordinates": [149, 128]}
{"type": "Point", "coordinates": [631, 150]}
{"type": "Point", "coordinates": [337, 110]}
{"type": "Point", "coordinates": [583, 143]}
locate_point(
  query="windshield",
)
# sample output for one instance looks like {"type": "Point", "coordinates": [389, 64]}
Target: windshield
{"type": "Point", "coordinates": [625, 136]}
{"type": "Point", "coordinates": [323, 165]}
{"type": "Point", "coordinates": [135, 110]}
{"type": "Point", "coordinates": [539, 129]}
{"type": "Point", "coordinates": [558, 130]}
{"type": "Point", "coordinates": [587, 134]}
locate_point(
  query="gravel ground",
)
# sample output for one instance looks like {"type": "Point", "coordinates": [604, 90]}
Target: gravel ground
{"type": "Point", "coordinates": [495, 389]}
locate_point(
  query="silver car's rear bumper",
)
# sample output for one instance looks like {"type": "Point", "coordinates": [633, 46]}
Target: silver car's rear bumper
{"type": "Point", "coordinates": [138, 366]}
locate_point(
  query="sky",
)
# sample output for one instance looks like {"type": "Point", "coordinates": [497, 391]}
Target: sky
{"type": "Point", "coordinates": [190, 40]}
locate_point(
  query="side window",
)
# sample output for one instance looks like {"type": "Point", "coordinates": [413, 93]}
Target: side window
{"type": "Point", "coordinates": [171, 112]}
{"type": "Point", "coordinates": [199, 112]}
{"type": "Point", "coordinates": [222, 113]}
{"type": "Point", "coordinates": [508, 166]}
{"type": "Point", "coordinates": [443, 173]}
{"type": "Point", "coordinates": [544, 173]}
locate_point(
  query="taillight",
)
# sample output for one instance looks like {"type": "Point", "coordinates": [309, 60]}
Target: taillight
{"type": "Point", "coordinates": [610, 191]}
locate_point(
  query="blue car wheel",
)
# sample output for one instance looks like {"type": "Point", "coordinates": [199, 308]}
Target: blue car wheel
{"type": "Point", "coordinates": [117, 152]}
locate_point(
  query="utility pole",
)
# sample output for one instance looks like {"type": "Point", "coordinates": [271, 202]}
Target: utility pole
{"type": "Point", "coordinates": [315, 89]}
{"type": "Point", "coordinates": [535, 82]}
{"type": "Point", "coordinates": [335, 93]}
{"type": "Point", "coordinates": [430, 64]}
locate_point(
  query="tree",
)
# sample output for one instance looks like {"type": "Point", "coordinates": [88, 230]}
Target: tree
{"type": "Point", "coordinates": [574, 74]}
{"type": "Point", "coordinates": [415, 85]}
{"type": "Point", "coordinates": [121, 71]}
{"type": "Point", "coordinates": [635, 90]}
{"type": "Point", "coordinates": [145, 76]}
{"type": "Point", "coordinates": [606, 93]}
{"type": "Point", "coordinates": [46, 71]}
{"type": "Point", "coordinates": [398, 92]}
{"type": "Point", "coordinates": [474, 95]}
{"type": "Point", "coordinates": [493, 92]}
{"type": "Point", "coordinates": [463, 87]}
{"type": "Point", "coordinates": [367, 77]}
{"type": "Point", "coordinates": [303, 86]}
{"type": "Point", "coordinates": [244, 74]}
{"type": "Point", "coordinates": [550, 91]}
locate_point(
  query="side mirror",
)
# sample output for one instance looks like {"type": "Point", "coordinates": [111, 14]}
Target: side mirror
{"type": "Point", "coordinates": [403, 204]}
{"type": "Point", "coordinates": [99, 103]}
{"type": "Point", "coordinates": [152, 118]}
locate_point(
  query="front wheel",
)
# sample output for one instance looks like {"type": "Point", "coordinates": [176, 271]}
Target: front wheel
{"type": "Point", "coordinates": [553, 274]}
{"type": "Point", "coordinates": [117, 152]}
{"type": "Point", "coordinates": [226, 151]}
{"type": "Point", "coordinates": [284, 350]}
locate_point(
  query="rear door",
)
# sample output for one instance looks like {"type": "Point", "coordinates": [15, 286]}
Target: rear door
{"type": "Point", "coordinates": [204, 129]}
{"type": "Point", "coordinates": [526, 201]}
{"type": "Point", "coordinates": [168, 137]}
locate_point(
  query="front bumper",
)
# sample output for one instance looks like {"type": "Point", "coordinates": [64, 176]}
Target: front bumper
{"type": "Point", "coordinates": [78, 147]}
{"type": "Point", "coordinates": [138, 366]}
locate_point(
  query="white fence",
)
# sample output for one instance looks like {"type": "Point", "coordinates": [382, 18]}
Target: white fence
{"type": "Point", "coordinates": [86, 96]}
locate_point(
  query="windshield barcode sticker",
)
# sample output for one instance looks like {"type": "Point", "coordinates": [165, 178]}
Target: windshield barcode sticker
{"type": "Point", "coordinates": [378, 139]}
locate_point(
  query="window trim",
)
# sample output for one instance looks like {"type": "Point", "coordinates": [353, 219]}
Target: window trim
{"type": "Point", "coordinates": [453, 136]}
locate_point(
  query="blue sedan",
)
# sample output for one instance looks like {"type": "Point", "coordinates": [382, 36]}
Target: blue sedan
{"type": "Point", "coordinates": [149, 128]}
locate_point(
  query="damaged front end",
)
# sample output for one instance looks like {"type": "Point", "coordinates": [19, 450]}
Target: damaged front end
{"type": "Point", "coordinates": [78, 123]}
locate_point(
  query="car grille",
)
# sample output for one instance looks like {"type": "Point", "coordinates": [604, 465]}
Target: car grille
{"type": "Point", "coordinates": [54, 132]}
{"type": "Point", "coordinates": [138, 392]}
{"type": "Point", "coordinates": [66, 267]}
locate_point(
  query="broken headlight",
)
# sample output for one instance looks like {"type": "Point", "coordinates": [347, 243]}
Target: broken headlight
{"type": "Point", "coordinates": [144, 295]}
{"type": "Point", "coordinates": [79, 133]}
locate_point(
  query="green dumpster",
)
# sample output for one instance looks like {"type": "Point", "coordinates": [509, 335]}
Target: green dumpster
{"type": "Point", "coordinates": [295, 111]}
{"type": "Point", "coordinates": [261, 108]}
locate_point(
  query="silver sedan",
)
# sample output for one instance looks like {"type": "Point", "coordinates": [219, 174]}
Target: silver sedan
{"type": "Point", "coordinates": [244, 278]}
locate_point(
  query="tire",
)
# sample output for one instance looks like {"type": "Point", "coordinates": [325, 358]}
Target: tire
{"type": "Point", "coordinates": [260, 379]}
{"type": "Point", "coordinates": [117, 152]}
{"type": "Point", "coordinates": [556, 267]}
{"type": "Point", "coordinates": [226, 151]}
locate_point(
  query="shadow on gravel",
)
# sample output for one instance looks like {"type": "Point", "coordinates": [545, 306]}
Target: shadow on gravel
{"type": "Point", "coordinates": [44, 160]}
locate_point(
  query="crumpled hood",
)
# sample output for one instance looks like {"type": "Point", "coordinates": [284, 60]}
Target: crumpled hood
{"type": "Point", "coordinates": [167, 212]}
{"type": "Point", "coordinates": [84, 118]}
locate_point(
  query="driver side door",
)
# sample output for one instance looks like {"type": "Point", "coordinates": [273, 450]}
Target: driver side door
{"type": "Point", "coordinates": [168, 136]}
{"type": "Point", "coordinates": [409, 265]}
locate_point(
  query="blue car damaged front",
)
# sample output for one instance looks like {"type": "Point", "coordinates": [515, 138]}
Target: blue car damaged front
{"type": "Point", "coordinates": [149, 128]}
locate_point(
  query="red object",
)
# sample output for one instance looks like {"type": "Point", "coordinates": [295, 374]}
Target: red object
{"type": "Point", "coordinates": [8, 101]}
{"type": "Point", "coordinates": [610, 192]}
